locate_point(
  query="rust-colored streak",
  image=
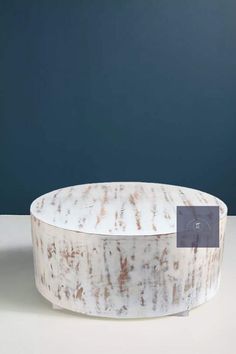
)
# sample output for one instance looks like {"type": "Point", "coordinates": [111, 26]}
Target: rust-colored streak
{"type": "Point", "coordinates": [137, 212]}
{"type": "Point", "coordinates": [121, 187]}
{"type": "Point", "coordinates": [54, 199]}
{"type": "Point", "coordinates": [176, 265]}
{"type": "Point", "coordinates": [102, 212]}
{"type": "Point", "coordinates": [121, 215]}
{"type": "Point", "coordinates": [51, 250]}
{"type": "Point", "coordinates": [124, 272]}
{"type": "Point", "coordinates": [154, 299]}
{"type": "Point", "coordinates": [175, 298]}
{"type": "Point", "coordinates": [98, 220]}
{"type": "Point", "coordinates": [41, 244]}
{"type": "Point", "coordinates": [131, 200]}
{"type": "Point", "coordinates": [106, 293]}
{"type": "Point", "coordinates": [137, 216]}
{"type": "Point", "coordinates": [96, 294]}
{"type": "Point", "coordinates": [164, 260]}
{"type": "Point", "coordinates": [108, 275]}
{"type": "Point", "coordinates": [105, 197]}
{"type": "Point", "coordinates": [58, 295]}
{"type": "Point", "coordinates": [165, 195]}
{"type": "Point", "coordinates": [42, 203]}
{"type": "Point", "coordinates": [77, 266]}
{"type": "Point", "coordinates": [90, 268]}
{"type": "Point", "coordinates": [86, 191]}
{"type": "Point", "coordinates": [42, 278]}
{"type": "Point", "coordinates": [122, 211]}
{"type": "Point", "coordinates": [79, 293]}
{"type": "Point", "coordinates": [142, 302]}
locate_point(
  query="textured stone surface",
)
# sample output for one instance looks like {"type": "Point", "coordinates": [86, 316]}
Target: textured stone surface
{"type": "Point", "coordinates": [110, 250]}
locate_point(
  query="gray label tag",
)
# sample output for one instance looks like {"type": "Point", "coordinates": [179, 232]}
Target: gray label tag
{"type": "Point", "coordinates": [197, 226]}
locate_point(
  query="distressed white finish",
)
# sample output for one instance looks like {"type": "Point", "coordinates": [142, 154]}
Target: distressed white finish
{"type": "Point", "coordinates": [109, 249]}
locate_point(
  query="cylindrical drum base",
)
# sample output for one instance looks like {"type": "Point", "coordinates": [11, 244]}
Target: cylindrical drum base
{"type": "Point", "coordinates": [121, 276]}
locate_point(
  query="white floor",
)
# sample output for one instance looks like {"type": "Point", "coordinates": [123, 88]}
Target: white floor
{"type": "Point", "coordinates": [28, 324]}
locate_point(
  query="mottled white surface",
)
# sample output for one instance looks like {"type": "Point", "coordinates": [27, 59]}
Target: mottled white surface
{"type": "Point", "coordinates": [134, 274]}
{"type": "Point", "coordinates": [29, 325]}
{"type": "Point", "coordinates": [125, 208]}
{"type": "Point", "coordinates": [138, 276]}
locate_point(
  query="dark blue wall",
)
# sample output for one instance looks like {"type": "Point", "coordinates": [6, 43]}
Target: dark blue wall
{"type": "Point", "coordinates": [117, 90]}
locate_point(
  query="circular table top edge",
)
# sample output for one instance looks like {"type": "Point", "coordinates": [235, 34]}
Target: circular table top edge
{"type": "Point", "coordinates": [77, 229]}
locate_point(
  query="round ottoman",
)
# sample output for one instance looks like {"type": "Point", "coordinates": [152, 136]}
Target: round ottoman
{"type": "Point", "coordinates": [111, 250]}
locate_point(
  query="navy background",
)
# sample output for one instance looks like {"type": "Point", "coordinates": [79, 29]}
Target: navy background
{"type": "Point", "coordinates": [116, 90]}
